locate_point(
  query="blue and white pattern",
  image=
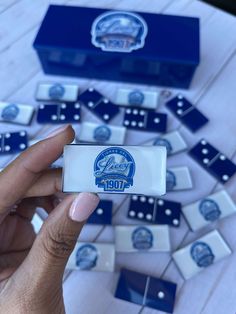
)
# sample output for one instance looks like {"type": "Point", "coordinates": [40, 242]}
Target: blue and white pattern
{"type": "Point", "coordinates": [114, 169]}
{"type": "Point", "coordinates": [142, 238]}
{"type": "Point", "coordinates": [56, 91]}
{"type": "Point", "coordinates": [136, 98]}
{"type": "Point", "coordinates": [119, 31]}
{"type": "Point", "coordinates": [209, 209]}
{"type": "Point", "coordinates": [16, 113]}
{"type": "Point", "coordinates": [86, 257]}
{"type": "Point", "coordinates": [10, 112]}
{"type": "Point", "coordinates": [102, 134]}
{"type": "Point", "coordinates": [202, 254]}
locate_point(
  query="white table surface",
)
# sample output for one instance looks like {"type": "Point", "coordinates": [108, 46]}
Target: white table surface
{"type": "Point", "coordinates": [213, 91]}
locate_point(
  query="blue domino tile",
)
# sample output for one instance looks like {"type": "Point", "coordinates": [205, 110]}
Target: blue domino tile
{"type": "Point", "coordinates": [145, 290]}
{"type": "Point", "coordinates": [161, 295]}
{"type": "Point", "coordinates": [131, 286]}
{"type": "Point", "coordinates": [15, 142]}
{"type": "Point", "coordinates": [102, 214]}
{"type": "Point", "coordinates": [213, 161]}
{"type": "Point", "coordinates": [145, 120]}
{"type": "Point", "coordinates": [59, 113]}
{"type": "Point", "coordinates": [154, 210]}
{"type": "Point", "coordinates": [190, 116]}
{"type": "Point", "coordinates": [99, 105]}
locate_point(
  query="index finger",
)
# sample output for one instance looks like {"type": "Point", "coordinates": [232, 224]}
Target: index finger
{"type": "Point", "coordinates": [19, 176]}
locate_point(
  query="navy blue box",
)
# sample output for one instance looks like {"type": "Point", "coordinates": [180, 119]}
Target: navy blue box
{"type": "Point", "coordinates": [124, 46]}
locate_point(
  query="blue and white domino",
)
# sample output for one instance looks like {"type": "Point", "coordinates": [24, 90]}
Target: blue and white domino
{"type": "Point", "coordinates": [173, 141]}
{"type": "Point", "coordinates": [138, 98]}
{"type": "Point", "coordinates": [13, 142]}
{"type": "Point", "coordinates": [58, 113]}
{"type": "Point", "coordinates": [16, 113]}
{"type": "Point", "coordinates": [115, 169]}
{"type": "Point", "coordinates": [102, 133]}
{"type": "Point", "coordinates": [92, 257]}
{"type": "Point", "coordinates": [201, 254]}
{"type": "Point", "coordinates": [146, 290]}
{"type": "Point", "coordinates": [178, 178]}
{"type": "Point", "coordinates": [142, 238]}
{"type": "Point", "coordinates": [102, 215]}
{"type": "Point", "coordinates": [140, 119]}
{"type": "Point", "coordinates": [209, 209]}
{"type": "Point", "coordinates": [57, 91]}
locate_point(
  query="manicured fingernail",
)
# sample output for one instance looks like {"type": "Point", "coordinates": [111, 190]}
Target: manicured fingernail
{"type": "Point", "coordinates": [83, 206]}
{"type": "Point", "coordinates": [57, 131]}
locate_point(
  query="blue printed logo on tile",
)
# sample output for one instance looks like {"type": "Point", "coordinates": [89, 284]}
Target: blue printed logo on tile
{"type": "Point", "coordinates": [119, 31]}
{"type": "Point", "coordinates": [163, 142]}
{"type": "Point", "coordinates": [10, 112]}
{"type": "Point", "coordinates": [56, 91]}
{"type": "Point", "coordinates": [209, 209]}
{"type": "Point", "coordinates": [86, 257]}
{"type": "Point", "coordinates": [114, 169]}
{"type": "Point", "coordinates": [202, 254]}
{"type": "Point", "coordinates": [142, 238]}
{"type": "Point", "coordinates": [102, 133]}
{"type": "Point", "coordinates": [136, 98]}
{"type": "Point", "coordinates": [170, 180]}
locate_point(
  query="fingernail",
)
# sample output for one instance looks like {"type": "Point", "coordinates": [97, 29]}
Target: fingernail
{"type": "Point", "coordinates": [83, 206]}
{"type": "Point", "coordinates": [57, 131]}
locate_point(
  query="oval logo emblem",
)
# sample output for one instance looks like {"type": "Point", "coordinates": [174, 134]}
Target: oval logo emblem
{"type": "Point", "coordinates": [163, 142]}
{"type": "Point", "coordinates": [56, 91]}
{"type": "Point", "coordinates": [119, 31]}
{"type": "Point", "coordinates": [136, 98]}
{"type": "Point", "coordinates": [10, 112]}
{"type": "Point", "coordinates": [86, 257]}
{"type": "Point", "coordinates": [209, 209]}
{"type": "Point", "coordinates": [114, 169]}
{"type": "Point", "coordinates": [142, 238]}
{"type": "Point", "coordinates": [202, 254]}
{"type": "Point", "coordinates": [170, 180]}
{"type": "Point", "coordinates": [102, 133]}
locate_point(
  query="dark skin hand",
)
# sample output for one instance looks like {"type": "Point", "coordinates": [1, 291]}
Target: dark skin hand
{"type": "Point", "coordinates": [31, 268]}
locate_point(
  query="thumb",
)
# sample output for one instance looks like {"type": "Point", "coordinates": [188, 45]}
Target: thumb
{"type": "Point", "coordinates": [56, 240]}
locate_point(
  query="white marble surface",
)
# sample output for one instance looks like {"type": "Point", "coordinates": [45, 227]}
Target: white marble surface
{"type": "Point", "coordinates": [212, 90]}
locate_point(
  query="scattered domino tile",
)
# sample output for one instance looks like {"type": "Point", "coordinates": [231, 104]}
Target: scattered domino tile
{"type": "Point", "coordinates": [209, 209]}
{"type": "Point", "coordinates": [146, 290]}
{"type": "Point", "coordinates": [92, 256]}
{"type": "Point", "coordinates": [115, 169]}
{"type": "Point", "coordinates": [144, 120]}
{"type": "Point", "coordinates": [154, 210]}
{"type": "Point", "coordinates": [201, 253]}
{"type": "Point", "coordinates": [14, 142]}
{"type": "Point", "coordinates": [102, 214]}
{"type": "Point", "coordinates": [190, 116]}
{"type": "Point", "coordinates": [213, 161]}
{"type": "Point", "coordinates": [178, 178]}
{"type": "Point", "coordinates": [137, 98]}
{"type": "Point", "coordinates": [16, 113]}
{"type": "Point", "coordinates": [37, 223]}
{"type": "Point", "coordinates": [102, 133]}
{"type": "Point", "coordinates": [99, 105]}
{"type": "Point", "coordinates": [148, 238]}
{"type": "Point", "coordinates": [173, 142]}
{"type": "Point", "coordinates": [58, 113]}
{"type": "Point", "coordinates": [57, 91]}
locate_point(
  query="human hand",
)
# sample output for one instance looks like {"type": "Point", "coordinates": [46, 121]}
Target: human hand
{"type": "Point", "coordinates": [31, 268]}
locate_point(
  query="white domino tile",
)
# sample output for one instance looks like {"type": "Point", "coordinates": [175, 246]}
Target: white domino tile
{"type": "Point", "coordinates": [142, 238]}
{"type": "Point", "coordinates": [208, 210]}
{"type": "Point", "coordinates": [102, 133]}
{"type": "Point", "coordinates": [115, 169]}
{"type": "Point", "coordinates": [178, 178]}
{"type": "Point", "coordinates": [201, 254]}
{"type": "Point", "coordinates": [173, 141]}
{"type": "Point", "coordinates": [57, 91]}
{"type": "Point", "coordinates": [16, 113]}
{"type": "Point", "coordinates": [92, 257]}
{"type": "Point", "coordinates": [137, 97]}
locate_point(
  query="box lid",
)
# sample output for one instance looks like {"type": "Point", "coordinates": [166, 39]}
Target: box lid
{"type": "Point", "coordinates": [168, 38]}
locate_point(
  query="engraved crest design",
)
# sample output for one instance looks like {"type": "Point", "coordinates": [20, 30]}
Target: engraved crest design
{"type": "Point", "coordinates": [170, 180]}
{"type": "Point", "coordinates": [10, 112]}
{"type": "Point", "coordinates": [136, 98]}
{"type": "Point", "coordinates": [163, 142]}
{"type": "Point", "coordinates": [209, 209]}
{"type": "Point", "coordinates": [119, 31]}
{"type": "Point", "coordinates": [102, 133]}
{"type": "Point", "coordinates": [142, 238]}
{"type": "Point", "coordinates": [56, 91]}
{"type": "Point", "coordinates": [86, 257]}
{"type": "Point", "coordinates": [114, 169]}
{"type": "Point", "coordinates": [202, 254]}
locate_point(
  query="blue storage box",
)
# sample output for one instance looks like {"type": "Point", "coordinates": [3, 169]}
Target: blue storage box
{"type": "Point", "coordinates": [137, 47]}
